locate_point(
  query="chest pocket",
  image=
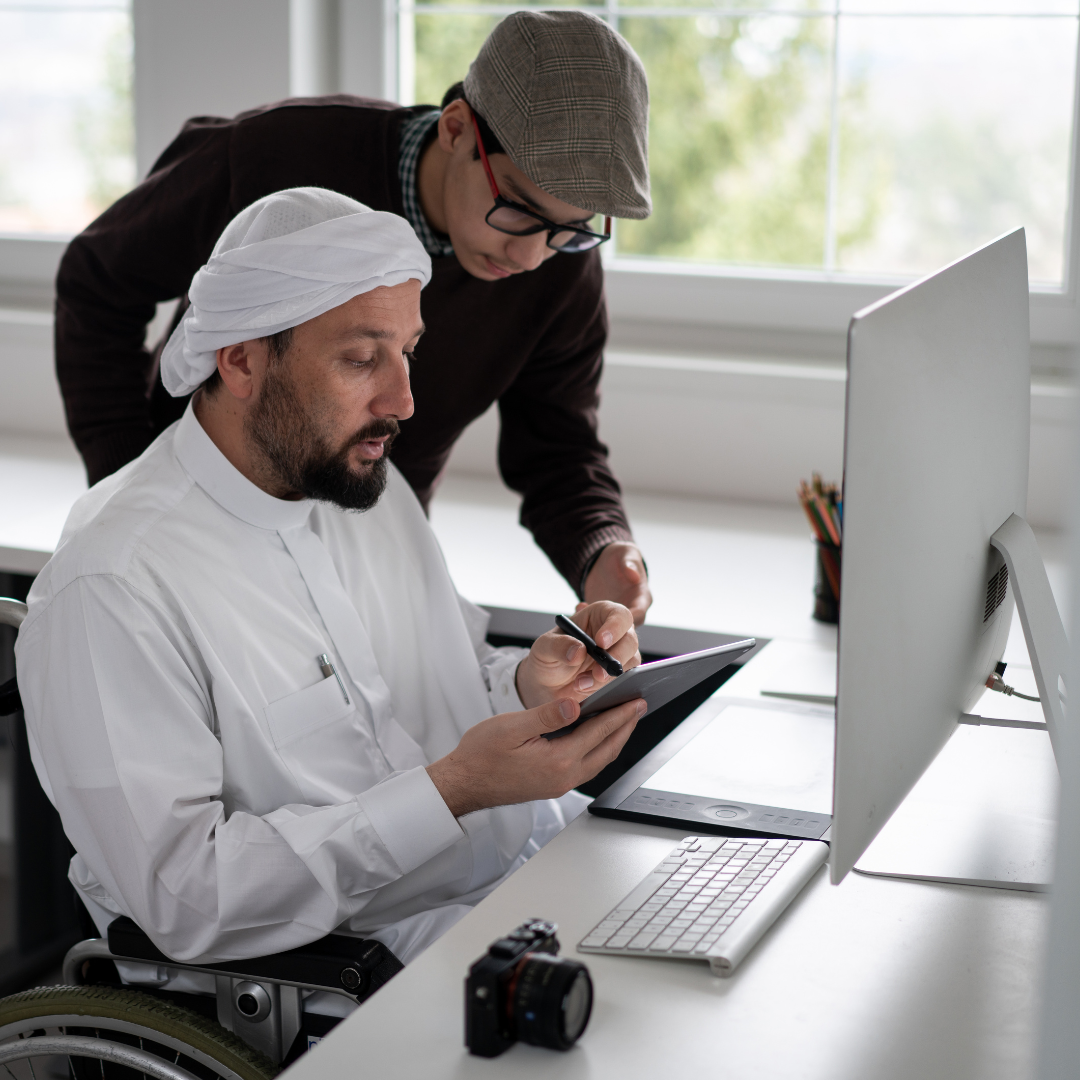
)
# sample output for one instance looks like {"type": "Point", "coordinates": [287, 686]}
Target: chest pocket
{"type": "Point", "coordinates": [306, 712]}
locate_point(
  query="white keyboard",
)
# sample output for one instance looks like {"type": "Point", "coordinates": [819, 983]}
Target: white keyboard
{"type": "Point", "coordinates": [711, 899]}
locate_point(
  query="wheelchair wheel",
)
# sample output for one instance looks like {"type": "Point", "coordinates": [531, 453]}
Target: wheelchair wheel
{"type": "Point", "coordinates": [108, 1033]}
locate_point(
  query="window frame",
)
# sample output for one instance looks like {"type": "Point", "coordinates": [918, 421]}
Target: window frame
{"type": "Point", "coordinates": [682, 307]}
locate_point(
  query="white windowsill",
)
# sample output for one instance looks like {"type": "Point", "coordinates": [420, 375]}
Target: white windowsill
{"type": "Point", "coordinates": [681, 307]}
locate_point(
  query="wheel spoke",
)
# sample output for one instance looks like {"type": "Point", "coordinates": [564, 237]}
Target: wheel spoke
{"type": "Point", "coordinates": [10, 1073]}
{"type": "Point", "coordinates": [30, 1062]}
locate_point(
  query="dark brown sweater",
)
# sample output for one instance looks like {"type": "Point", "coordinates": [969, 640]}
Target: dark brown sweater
{"type": "Point", "coordinates": [533, 342]}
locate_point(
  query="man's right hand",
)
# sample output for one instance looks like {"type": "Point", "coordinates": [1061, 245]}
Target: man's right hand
{"type": "Point", "coordinates": [506, 760]}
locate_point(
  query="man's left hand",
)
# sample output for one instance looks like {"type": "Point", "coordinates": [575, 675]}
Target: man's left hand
{"type": "Point", "coordinates": [619, 574]}
{"type": "Point", "coordinates": [558, 665]}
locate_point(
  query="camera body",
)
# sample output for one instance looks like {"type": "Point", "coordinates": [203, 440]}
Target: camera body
{"type": "Point", "coordinates": [522, 989]}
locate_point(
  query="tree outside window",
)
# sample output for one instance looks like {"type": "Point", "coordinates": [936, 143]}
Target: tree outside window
{"type": "Point", "coordinates": [875, 138]}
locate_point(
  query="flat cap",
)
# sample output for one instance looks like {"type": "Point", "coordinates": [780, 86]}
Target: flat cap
{"type": "Point", "coordinates": [568, 99]}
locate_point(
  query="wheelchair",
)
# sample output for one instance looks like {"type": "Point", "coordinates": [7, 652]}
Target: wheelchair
{"type": "Point", "coordinates": [94, 1028]}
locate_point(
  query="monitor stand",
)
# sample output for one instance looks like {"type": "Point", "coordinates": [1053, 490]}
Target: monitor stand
{"type": "Point", "coordinates": [985, 811]}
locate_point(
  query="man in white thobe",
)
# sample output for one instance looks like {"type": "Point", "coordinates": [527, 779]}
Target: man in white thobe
{"type": "Point", "coordinates": [261, 715]}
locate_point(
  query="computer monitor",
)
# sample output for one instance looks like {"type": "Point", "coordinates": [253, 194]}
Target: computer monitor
{"type": "Point", "coordinates": [935, 464]}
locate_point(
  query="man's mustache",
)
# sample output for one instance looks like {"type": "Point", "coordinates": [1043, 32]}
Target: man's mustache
{"type": "Point", "coordinates": [377, 429]}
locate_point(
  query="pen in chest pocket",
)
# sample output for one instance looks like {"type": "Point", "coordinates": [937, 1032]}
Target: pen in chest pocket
{"type": "Point", "coordinates": [328, 669]}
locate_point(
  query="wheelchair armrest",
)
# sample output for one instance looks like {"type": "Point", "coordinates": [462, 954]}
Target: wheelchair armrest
{"type": "Point", "coordinates": [10, 702]}
{"type": "Point", "coordinates": [337, 962]}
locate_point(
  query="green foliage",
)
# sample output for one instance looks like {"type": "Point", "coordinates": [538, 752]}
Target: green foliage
{"type": "Point", "coordinates": [445, 46]}
{"type": "Point", "coordinates": [739, 141]}
{"type": "Point", "coordinates": [739, 134]}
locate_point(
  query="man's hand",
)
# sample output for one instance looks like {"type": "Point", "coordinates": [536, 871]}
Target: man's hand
{"type": "Point", "coordinates": [506, 760]}
{"type": "Point", "coordinates": [558, 665]}
{"type": "Point", "coordinates": [619, 575]}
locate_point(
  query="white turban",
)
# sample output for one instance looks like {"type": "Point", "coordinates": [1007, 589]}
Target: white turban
{"type": "Point", "coordinates": [285, 259]}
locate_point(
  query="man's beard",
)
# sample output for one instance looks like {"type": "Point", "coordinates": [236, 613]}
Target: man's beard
{"type": "Point", "coordinates": [292, 442]}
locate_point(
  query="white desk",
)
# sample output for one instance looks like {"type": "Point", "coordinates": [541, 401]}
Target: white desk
{"type": "Point", "coordinates": [872, 980]}
{"type": "Point", "coordinates": [878, 979]}
{"type": "Point", "coordinates": [40, 479]}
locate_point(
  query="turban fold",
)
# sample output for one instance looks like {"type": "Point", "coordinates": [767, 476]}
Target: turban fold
{"type": "Point", "coordinates": [284, 260]}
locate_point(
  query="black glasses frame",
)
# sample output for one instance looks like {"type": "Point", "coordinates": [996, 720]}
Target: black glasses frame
{"type": "Point", "coordinates": [543, 223]}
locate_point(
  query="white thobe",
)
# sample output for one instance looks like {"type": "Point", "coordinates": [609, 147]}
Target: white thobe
{"type": "Point", "coordinates": [217, 788]}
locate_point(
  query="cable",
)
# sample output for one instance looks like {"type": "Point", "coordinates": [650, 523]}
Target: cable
{"type": "Point", "coordinates": [995, 682]}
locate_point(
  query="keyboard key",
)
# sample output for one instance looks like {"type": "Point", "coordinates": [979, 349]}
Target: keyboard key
{"type": "Point", "coordinates": [642, 941]}
{"type": "Point", "coordinates": [702, 947]}
{"type": "Point", "coordinates": [683, 946]}
{"type": "Point", "coordinates": [610, 924]}
{"type": "Point", "coordinates": [594, 941]}
{"type": "Point", "coordinates": [663, 943]}
{"type": "Point", "coordinates": [619, 941]}
{"type": "Point", "coordinates": [681, 924]}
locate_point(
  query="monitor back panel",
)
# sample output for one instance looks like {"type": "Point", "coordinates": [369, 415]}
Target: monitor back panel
{"type": "Point", "coordinates": [935, 460]}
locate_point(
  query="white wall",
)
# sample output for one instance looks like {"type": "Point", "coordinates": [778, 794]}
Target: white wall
{"type": "Point", "coordinates": [749, 430]}
{"type": "Point", "coordinates": [194, 59]}
{"type": "Point", "coordinates": [745, 430]}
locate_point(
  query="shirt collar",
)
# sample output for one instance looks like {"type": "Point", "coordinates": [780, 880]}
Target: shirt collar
{"type": "Point", "coordinates": [414, 137]}
{"type": "Point", "coordinates": [227, 486]}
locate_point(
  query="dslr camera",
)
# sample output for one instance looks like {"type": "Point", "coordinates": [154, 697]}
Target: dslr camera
{"type": "Point", "coordinates": [522, 989]}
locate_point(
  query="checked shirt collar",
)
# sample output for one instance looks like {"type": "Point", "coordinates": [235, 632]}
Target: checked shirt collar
{"type": "Point", "coordinates": [414, 134]}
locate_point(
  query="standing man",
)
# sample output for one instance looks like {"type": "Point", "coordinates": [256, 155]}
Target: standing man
{"type": "Point", "coordinates": [511, 188]}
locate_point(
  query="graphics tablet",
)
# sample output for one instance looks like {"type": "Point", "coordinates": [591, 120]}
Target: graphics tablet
{"type": "Point", "coordinates": [659, 682]}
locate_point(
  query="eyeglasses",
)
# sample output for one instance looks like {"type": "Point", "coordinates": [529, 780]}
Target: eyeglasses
{"type": "Point", "coordinates": [517, 220]}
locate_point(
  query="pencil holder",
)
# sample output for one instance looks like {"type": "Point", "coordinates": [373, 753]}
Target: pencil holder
{"type": "Point", "coordinates": [827, 583]}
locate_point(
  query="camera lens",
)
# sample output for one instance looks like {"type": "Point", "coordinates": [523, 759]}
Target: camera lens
{"type": "Point", "coordinates": [550, 1001]}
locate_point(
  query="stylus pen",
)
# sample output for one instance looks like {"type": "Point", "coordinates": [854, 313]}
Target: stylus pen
{"type": "Point", "coordinates": [605, 660]}
{"type": "Point", "coordinates": [326, 666]}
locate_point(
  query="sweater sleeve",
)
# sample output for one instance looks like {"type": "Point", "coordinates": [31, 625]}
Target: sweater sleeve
{"type": "Point", "coordinates": [143, 250]}
{"type": "Point", "coordinates": [549, 450]}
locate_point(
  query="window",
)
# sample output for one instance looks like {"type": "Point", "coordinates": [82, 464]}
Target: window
{"type": "Point", "coordinates": [66, 120]}
{"type": "Point", "coordinates": [851, 139]}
